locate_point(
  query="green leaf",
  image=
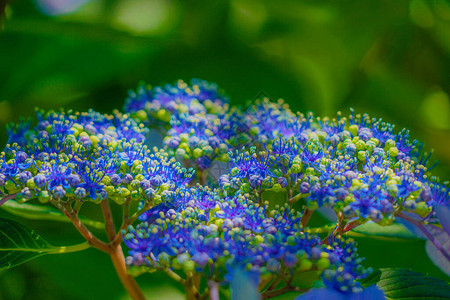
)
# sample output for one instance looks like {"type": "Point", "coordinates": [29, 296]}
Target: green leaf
{"type": "Point", "coordinates": [373, 278]}
{"type": "Point", "coordinates": [19, 244]}
{"type": "Point", "coordinates": [405, 284]}
{"type": "Point", "coordinates": [391, 232]}
{"type": "Point", "coordinates": [40, 212]}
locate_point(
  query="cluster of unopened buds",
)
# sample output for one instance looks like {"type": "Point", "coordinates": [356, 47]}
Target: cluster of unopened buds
{"type": "Point", "coordinates": [250, 222]}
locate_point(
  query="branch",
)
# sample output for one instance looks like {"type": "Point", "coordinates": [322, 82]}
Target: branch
{"type": "Point", "coordinates": [297, 197]}
{"type": "Point", "coordinates": [109, 222]}
{"type": "Point", "coordinates": [213, 290]}
{"type": "Point", "coordinates": [191, 290]}
{"type": "Point", "coordinates": [274, 293]}
{"type": "Point", "coordinates": [90, 238]}
{"type": "Point", "coordinates": [174, 276]}
{"type": "Point", "coordinates": [305, 218]}
{"type": "Point", "coordinates": [129, 220]}
{"type": "Point", "coordinates": [6, 198]}
{"type": "Point", "coordinates": [127, 280]}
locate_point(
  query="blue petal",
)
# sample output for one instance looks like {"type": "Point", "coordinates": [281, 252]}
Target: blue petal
{"type": "Point", "coordinates": [328, 213]}
{"type": "Point", "coordinates": [443, 214]}
{"type": "Point", "coordinates": [244, 286]}
{"type": "Point", "coordinates": [319, 294]}
{"type": "Point", "coordinates": [411, 227]}
{"type": "Point", "coordinates": [371, 293]}
{"type": "Point", "coordinates": [92, 193]}
{"type": "Point", "coordinates": [434, 254]}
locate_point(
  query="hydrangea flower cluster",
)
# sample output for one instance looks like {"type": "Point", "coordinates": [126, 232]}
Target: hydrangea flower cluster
{"type": "Point", "coordinates": [70, 156]}
{"type": "Point", "coordinates": [357, 166]}
{"type": "Point", "coordinates": [203, 233]}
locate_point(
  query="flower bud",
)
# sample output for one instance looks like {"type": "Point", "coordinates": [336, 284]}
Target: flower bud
{"type": "Point", "coordinates": [127, 178]}
{"type": "Point", "coordinates": [116, 180]}
{"type": "Point", "coordinates": [24, 176]}
{"type": "Point", "coordinates": [40, 180]}
{"type": "Point", "coordinates": [74, 180]}
{"type": "Point", "coordinates": [59, 192]}
{"type": "Point", "coordinates": [80, 193]}
{"type": "Point", "coordinates": [282, 182]}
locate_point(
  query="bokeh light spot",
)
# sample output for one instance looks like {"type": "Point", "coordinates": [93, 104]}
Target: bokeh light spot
{"type": "Point", "coordinates": [436, 109]}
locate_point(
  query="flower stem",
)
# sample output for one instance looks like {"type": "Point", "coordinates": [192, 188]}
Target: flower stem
{"type": "Point", "coordinates": [296, 198]}
{"type": "Point", "coordinates": [6, 198]}
{"type": "Point", "coordinates": [73, 217]}
{"type": "Point", "coordinates": [127, 280]}
{"type": "Point", "coordinates": [112, 249]}
{"type": "Point", "coordinates": [69, 249]}
{"type": "Point", "coordinates": [191, 290]}
{"type": "Point", "coordinates": [281, 291]}
{"type": "Point", "coordinates": [109, 223]}
{"type": "Point", "coordinates": [174, 276]}
{"type": "Point", "coordinates": [213, 290]}
{"type": "Point", "coordinates": [305, 218]}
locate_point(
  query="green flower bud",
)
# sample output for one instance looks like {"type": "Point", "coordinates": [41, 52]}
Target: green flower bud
{"type": "Point", "coordinates": [188, 266]}
{"type": "Point", "coordinates": [276, 187]}
{"type": "Point", "coordinates": [360, 145]}
{"type": "Point", "coordinates": [184, 137]}
{"type": "Point", "coordinates": [305, 265]}
{"type": "Point", "coordinates": [31, 184]}
{"type": "Point", "coordinates": [44, 196]}
{"type": "Point", "coordinates": [322, 264]}
{"type": "Point", "coordinates": [291, 240]}
{"type": "Point", "coordinates": [296, 168]}
{"type": "Point", "coordinates": [422, 209]}
{"type": "Point", "coordinates": [393, 152]}
{"type": "Point", "coordinates": [254, 131]}
{"type": "Point", "coordinates": [245, 187]}
{"type": "Point", "coordinates": [141, 115]}
{"type": "Point", "coordinates": [124, 192]}
{"type": "Point", "coordinates": [197, 152]}
{"type": "Point", "coordinates": [180, 152]}
{"type": "Point", "coordinates": [362, 155]}
{"type": "Point", "coordinates": [12, 188]}
{"type": "Point", "coordinates": [106, 180]}
{"type": "Point", "coordinates": [389, 143]}
{"type": "Point", "coordinates": [353, 129]}
{"type": "Point", "coordinates": [110, 190]}
{"type": "Point", "coordinates": [163, 115]}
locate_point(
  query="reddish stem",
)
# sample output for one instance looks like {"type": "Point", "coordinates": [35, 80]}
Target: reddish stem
{"type": "Point", "coordinates": [109, 222]}
{"type": "Point", "coordinates": [127, 280]}
{"type": "Point", "coordinates": [306, 216]}
{"type": "Point", "coordinates": [6, 198]}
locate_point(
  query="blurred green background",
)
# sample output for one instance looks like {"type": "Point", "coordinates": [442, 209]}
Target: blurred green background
{"type": "Point", "coordinates": [387, 58]}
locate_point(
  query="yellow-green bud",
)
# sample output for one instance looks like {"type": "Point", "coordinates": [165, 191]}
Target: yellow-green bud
{"type": "Point", "coordinates": [362, 155]}
{"type": "Point", "coordinates": [188, 266]}
{"type": "Point", "coordinates": [322, 264]}
{"type": "Point", "coordinates": [353, 129]}
{"type": "Point", "coordinates": [31, 184]}
{"type": "Point", "coordinates": [305, 265]}
{"type": "Point", "coordinates": [124, 192]}
{"type": "Point", "coordinates": [393, 152]}
{"type": "Point", "coordinates": [422, 209]}
{"type": "Point", "coordinates": [197, 152]}
{"type": "Point", "coordinates": [141, 115]}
